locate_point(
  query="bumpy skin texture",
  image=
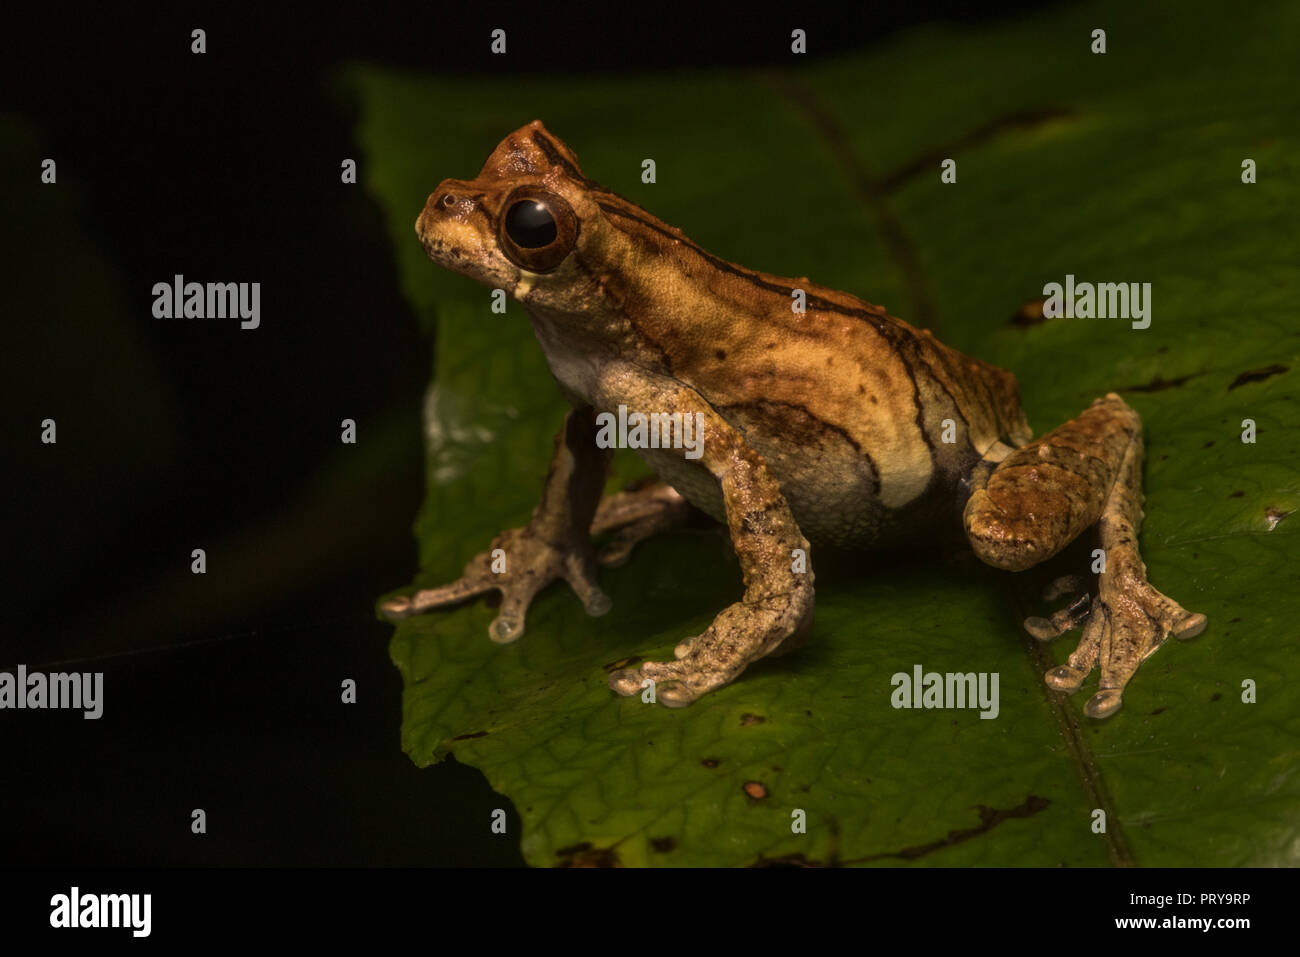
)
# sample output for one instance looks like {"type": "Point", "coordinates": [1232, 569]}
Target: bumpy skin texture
{"type": "Point", "coordinates": [838, 427]}
{"type": "Point", "coordinates": [1043, 496]}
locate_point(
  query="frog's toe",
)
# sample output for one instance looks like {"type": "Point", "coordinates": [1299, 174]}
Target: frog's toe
{"type": "Point", "coordinates": [1041, 628]}
{"type": "Point", "coordinates": [661, 670]}
{"type": "Point", "coordinates": [1067, 619]}
{"type": "Point", "coordinates": [395, 609]}
{"type": "Point", "coordinates": [1104, 703]}
{"type": "Point", "coordinates": [471, 585]}
{"type": "Point", "coordinates": [1068, 677]}
{"type": "Point", "coordinates": [672, 685]}
{"type": "Point", "coordinates": [1127, 623]}
{"type": "Point", "coordinates": [506, 628]}
{"type": "Point", "coordinates": [1064, 678]}
{"type": "Point", "coordinates": [626, 682]}
{"type": "Point", "coordinates": [580, 573]}
{"type": "Point", "coordinates": [674, 694]}
{"type": "Point", "coordinates": [1189, 625]}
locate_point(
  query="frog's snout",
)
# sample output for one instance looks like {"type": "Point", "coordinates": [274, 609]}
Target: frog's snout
{"type": "Point", "coordinates": [452, 200]}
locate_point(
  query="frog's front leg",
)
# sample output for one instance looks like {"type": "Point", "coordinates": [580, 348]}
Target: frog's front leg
{"type": "Point", "coordinates": [1039, 499]}
{"type": "Point", "coordinates": [554, 544]}
{"type": "Point", "coordinates": [777, 605]}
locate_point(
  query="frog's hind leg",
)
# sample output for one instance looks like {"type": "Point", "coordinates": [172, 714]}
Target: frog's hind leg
{"type": "Point", "coordinates": [1043, 496]}
{"type": "Point", "coordinates": [637, 515]}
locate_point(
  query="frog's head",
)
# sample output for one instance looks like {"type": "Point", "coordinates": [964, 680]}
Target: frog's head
{"type": "Point", "coordinates": [522, 225]}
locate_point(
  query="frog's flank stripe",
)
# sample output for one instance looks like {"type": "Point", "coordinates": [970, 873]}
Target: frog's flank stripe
{"type": "Point", "coordinates": [639, 215]}
{"type": "Point", "coordinates": [557, 158]}
{"type": "Point", "coordinates": [761, 404]}
{"type": "Point", "coordinates": [919, 418]}
{"type": "Point", "coordinates": [894, 331]}
{"type": "Point", "coordinates": [878, 318]}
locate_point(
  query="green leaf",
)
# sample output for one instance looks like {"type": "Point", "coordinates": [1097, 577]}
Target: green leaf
{"type": "Point", "coordinates": [1117, 167]}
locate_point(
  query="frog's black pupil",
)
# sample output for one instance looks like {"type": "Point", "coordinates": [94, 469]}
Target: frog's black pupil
{"type": "Point", "coordinates": [530, 224]}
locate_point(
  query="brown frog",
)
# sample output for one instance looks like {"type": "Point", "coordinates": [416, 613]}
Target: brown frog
{"type": "Point", "coordinates": [833, 426]}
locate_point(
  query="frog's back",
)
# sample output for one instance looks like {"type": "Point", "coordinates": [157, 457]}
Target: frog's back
{"type": "Point", "coordinates": [868, 423]}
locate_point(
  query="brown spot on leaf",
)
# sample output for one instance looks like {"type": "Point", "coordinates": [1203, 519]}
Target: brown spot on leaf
{"type": "Point", "coordinates": [584, 855]}
{"type": "Point", "coordinates": [747, 719]}
{"type": "Point", "coordinates": [711, 762]}
{"type": "Point", "coordinates": [755, 790]}
{"type": "Point", "coordinates": [466, 737]}
{"type": "Point", "coordinates": [1237, 494]}
{"type": "Point", "coordinates": [1257, 375]}
{"type": "Point", "coordinates": [1158, 710]}
{"type": "Point", "coordinates": [663, 845]}
{"type": "Point", "coordinates": [1216, 696]}
{"type": "Point", "coordinates": [1160, 383]}
{"type": "Point", "coordinates": [1030, 312]}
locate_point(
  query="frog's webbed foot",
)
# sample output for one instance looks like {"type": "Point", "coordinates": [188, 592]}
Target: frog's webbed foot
{"type": "Point", "coordinates": [1067, 619]}
{"type": "Point", "coordinates": [519, 564]}
{"type": "Point", "coordinates": [554, 544]}
{"type": "Point", "coordinates": [1128, 621]}
{"type": "Point", "coordinates": [637, 514]}
{"type": "Point", "coordinates": [741, 634]}
{"type": "Point", "coordinates": [1041, 497]}
{"type": "Point", "coordinates": [527, 561]}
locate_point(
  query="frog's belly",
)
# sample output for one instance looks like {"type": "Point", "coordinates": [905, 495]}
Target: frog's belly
{"type": "Point", "coordinates": [833, 493]}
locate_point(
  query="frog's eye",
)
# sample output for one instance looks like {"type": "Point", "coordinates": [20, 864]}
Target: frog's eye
{"type": "Point", "coordinates": [538, 229]}
{"type": "Point", "coordinates": [530, 224]}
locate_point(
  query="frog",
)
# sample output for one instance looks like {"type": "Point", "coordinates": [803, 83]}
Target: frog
{"type": "Point", "coordinates": [828, 426]}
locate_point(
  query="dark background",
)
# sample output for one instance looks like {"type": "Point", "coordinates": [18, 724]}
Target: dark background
{"type": "Point", "coordinates": [222, 690]}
